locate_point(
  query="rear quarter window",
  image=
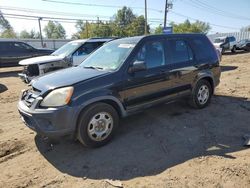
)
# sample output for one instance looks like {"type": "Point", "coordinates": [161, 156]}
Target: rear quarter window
{"type": "Point", "coordinates": [203, 49]}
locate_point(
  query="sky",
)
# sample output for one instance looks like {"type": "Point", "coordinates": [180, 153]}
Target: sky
{"type": "Point", "coordinates": [223, 15]}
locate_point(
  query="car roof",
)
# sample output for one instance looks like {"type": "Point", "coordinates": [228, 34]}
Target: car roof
{"type": "Point", "coordinates": [138, 38]}
{"type": "Point", "coordinates": [8, 40]}
{"type": "Point", "coordinates": [92, 40]}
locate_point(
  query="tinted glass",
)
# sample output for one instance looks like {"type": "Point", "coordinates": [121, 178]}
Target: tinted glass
{"type": "Point", "coordinates": [152, 53]}
{"type": "Point", "coordinates": [19, 46]}
{"type": "Point", "coordinates": [180, 50]}
{"type": "Point", "coordinates": [87, 48]}
{"type": "Point", "coordinates": [203, 48]}
{"type": "Point", "coordinates": [231, 39]}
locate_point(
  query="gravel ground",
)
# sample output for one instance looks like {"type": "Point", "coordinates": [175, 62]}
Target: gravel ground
{"type": "Point", "coordinates": [171, 145]}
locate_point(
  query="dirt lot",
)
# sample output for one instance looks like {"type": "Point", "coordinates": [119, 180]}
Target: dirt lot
{"type": "Point", "coordinates": [166, 146]}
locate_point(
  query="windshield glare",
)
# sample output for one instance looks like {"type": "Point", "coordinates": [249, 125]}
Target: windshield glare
{"type": "Point", "coordinates": [110, 56]}
{"type": "Point", "coordinates": [67, 49]}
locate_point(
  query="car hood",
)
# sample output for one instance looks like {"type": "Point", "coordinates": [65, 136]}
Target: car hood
{"type": "Point", "coordinates": [40, 59]}
{"type": "Point", "coordinates": [65, 77]}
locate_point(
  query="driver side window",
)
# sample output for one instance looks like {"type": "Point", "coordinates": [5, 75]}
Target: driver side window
{"type": "Point", "coordinates": [152, 53]}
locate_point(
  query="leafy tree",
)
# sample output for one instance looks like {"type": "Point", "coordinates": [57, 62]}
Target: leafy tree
{"type": "Point", "coordinates": [82, 32]}
{"type": "Point", "coordinates": [54, 30]}
{"type": "Point", "coordinates": [125, 23]}
{"type": "Point", "coordinates": [29, 35]}
{"type": "Point", "coordinates": [158, 30]}
{"type": "Point", "coordinates": [136, 27]}
{"type": "Point", "coordinates": [188, 27]}
{"type": "Point", "coordinates": [245, 29]}
{"type": "Point", "coordinates": [6, 30]}
{"type": "Point", "coordinates": [124, 16]}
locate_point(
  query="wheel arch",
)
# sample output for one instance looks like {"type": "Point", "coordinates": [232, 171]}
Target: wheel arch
{"type": "Point", "coordinates": [207, 77]}
{"type": "Point", "coordinates": [111, 100]}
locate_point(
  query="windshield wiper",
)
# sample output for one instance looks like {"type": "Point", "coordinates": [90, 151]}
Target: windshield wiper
{"type": "Point", "coordinates": [92, 67]}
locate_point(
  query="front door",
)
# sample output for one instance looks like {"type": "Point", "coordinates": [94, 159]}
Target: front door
{"type": "Point", "coordinates": [153, 83]}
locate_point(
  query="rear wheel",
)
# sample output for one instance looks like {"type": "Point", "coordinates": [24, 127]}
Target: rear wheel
{"type": "Point", "coordinates": [201, 95]}
{"type": "Point", "coordinates": [97, 125]}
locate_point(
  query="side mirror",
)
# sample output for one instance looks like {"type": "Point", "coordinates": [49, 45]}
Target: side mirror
{"type": "Point", "coordinates": [137, 66]}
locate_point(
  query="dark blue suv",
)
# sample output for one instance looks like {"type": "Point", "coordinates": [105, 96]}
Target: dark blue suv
{"type": "Point", "coordinates": [122, 77]}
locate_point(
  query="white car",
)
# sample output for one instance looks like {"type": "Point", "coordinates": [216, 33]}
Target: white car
{"type": "Point", "coordinates": [70, 54]}
{"type": "Point", "coordinates": [225, 43]}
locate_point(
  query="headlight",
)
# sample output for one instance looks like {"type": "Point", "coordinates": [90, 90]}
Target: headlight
{"type": "Point", "coordinates": [58, 97]}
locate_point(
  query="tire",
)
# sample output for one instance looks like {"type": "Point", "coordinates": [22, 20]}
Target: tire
{"type": "Point", "coordinates": [196, 100]}
{"type": "Point", "coordinates": [97, 125]}
{"type": "Point", "coordinates": [223, 51]}
{"type": "Point", "coordinates": [233, 49]}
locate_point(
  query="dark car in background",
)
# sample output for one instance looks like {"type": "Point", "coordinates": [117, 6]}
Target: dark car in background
{"type": "Point", "coordinates": [11, 52]}
{"type": "Point", "coordinates": [120, 78]}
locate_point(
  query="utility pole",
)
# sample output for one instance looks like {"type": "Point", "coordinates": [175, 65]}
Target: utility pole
{"type": "Point", "coordinates": [41, 35]}
{"type": "Point", "coordinates": [146, 19]}
{"type": "Point", "coordinates": [98, 21]}
{"type": "Point", "coordinates": [87, 29]}
{"type": "Point", "coordinates": [168, 6]}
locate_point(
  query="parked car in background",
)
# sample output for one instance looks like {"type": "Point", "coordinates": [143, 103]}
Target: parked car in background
{"type": "Point", "coordinates": [122, 77]}
{"type": "Point", "coordinates": [243, 45]}
{"type": "Point", "coordinates": [70, 54]}
{"type": "Point", "coordinates": [11, 52]}
{"type": "Point", "coordinates": [225, 43]}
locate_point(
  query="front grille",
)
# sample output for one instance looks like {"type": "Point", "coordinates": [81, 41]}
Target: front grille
{"type": "Point", "coordinates": [31, 70]}
{"type": "Point", "coordinates": [29, 96]}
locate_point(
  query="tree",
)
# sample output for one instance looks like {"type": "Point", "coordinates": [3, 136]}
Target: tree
{"type": "Point", "coordinates": [54, 30]}
{"type": "Point", "coordinates": [125, 23]}
{"type": "Point", "coordinates": [136, 27]}
{"type": "Point", "coordinates": [124, 16]}
{"type": "Point", "coordinates": [29, 35]}
{"type": "Point", "coordinates": [6, 30]}
{"type": "Point", "coordinates": [245, 29]}
{"type": "Point", "coordinates": [188, 27]}
{"type": "Point", "coordinates": [158, 30]}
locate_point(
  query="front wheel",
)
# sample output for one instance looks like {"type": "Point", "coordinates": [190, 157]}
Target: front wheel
{"type": "Point", "coordinates": [97, 125]}
{"type": "Point", "coordinates": [201, 95]}
{"type": "Point", "coordinates": [233, 49]}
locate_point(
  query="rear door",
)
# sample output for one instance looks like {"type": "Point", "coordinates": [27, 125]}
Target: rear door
{"type": "Point", "coordinates": [182, 66]}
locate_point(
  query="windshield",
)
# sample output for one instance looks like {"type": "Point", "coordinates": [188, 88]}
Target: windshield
{"type": "Point", "coordinates": [110, 56]}
{"type": "Point", "coordinates": [218, 40]}
{"type": "Point", "coordinates": [67, 49]}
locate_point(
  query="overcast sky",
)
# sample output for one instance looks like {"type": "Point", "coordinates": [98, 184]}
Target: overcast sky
{"type": "Point", "coordinates": [223, 15]}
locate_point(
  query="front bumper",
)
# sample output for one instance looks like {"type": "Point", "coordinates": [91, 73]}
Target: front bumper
{"type": "Point", "coordinates": [50, 122]}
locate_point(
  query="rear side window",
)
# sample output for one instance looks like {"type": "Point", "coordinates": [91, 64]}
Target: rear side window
{"type": "Point", "coordinates": [203, 49]}
{"type": "Point", "coordinates": [180, 51]}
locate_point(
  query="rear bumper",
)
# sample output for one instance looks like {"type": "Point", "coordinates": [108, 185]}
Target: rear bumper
{"type": "Point", "coordinates": [50, 122]}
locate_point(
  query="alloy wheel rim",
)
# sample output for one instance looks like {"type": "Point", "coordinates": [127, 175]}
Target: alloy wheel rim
{"type": "Point", "coordinates": [100, 126]}
{"type": "Point", "coordinates": [203, 94]}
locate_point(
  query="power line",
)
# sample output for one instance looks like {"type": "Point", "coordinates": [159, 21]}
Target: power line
{"type": "Point", "coordinates": [188, 17]}
{"type": "Point", "coordinates": [211, 9]}
{"type": "Point", "coordinates": [35, 11]}
{"type": "Point", "coordinates": [98, 5]}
